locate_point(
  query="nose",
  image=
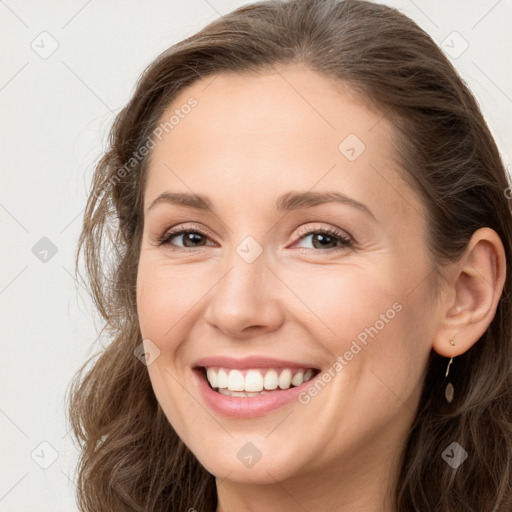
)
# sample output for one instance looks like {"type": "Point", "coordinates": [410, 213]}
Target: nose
{"type": "Point", "coordinates": [247, 300]}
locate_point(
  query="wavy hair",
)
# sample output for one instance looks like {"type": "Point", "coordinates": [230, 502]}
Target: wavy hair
{"type": "Point", "coordinates": [131, 459]}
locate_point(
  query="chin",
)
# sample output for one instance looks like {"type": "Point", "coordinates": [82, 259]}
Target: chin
{"type": "Point", "coordinates": [242, 461]}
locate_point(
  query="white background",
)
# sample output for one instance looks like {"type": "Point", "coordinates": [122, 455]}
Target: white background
{"type": "Point", "coordinates": [55, 115]}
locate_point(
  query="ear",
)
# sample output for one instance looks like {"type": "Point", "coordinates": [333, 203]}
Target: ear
{"type": "Point", "coordinates": [470, 301]}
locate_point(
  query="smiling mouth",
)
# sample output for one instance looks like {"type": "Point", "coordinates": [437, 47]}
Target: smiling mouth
{"type": "Point", "coordinates": [255, 381]}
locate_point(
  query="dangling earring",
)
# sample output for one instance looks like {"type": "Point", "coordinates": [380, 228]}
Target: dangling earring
{"type": "Point", "coordinates": [449, 390]}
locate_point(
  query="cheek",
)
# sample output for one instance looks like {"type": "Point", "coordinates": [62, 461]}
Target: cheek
{"type": "Point", "coordinates": [165, 295]}
{"type": "Point", "coordinates": [340, 303]}
{"type": "Point", "coordinates": [372, 321]}
{"type": "Point", "coordinates": [365, 322]}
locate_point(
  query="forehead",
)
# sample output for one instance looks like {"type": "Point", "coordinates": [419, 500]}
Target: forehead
{"type": "Point", "coordinates": [271, 132]}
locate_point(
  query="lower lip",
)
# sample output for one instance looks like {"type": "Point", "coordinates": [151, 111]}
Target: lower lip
{"type": "Point", "coordinates": [250, 407]}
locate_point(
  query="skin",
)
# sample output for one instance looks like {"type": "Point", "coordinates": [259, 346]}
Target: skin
{"type": "Point", "coordinates": [250, 139]}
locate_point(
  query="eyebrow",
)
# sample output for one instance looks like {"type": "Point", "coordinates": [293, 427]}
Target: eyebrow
{"type": "Point", "coordinates": [286, 202]}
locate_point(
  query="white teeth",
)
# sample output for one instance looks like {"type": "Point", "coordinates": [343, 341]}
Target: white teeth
{"type": "Point", "coordinates": [222, 378]}
{"type": "Point", "coordinates": [211, 374]}
{"type": "Point", "coordinates": [270, 381]}
{"type": "Point", "coordinates": [298, 378]}
{"type": "Point", "coordinates": [238, 393]}
{"type": "Point", "coordinates": [285, 379]}
{"type": "Point", "coordinates": [256, 394]}
{"type": "Point", "coordinates": [255, 381]}
{"type": "Point", "coordinates": [236, 381]}
{"type": "Point", "coordinates": [244, 394]}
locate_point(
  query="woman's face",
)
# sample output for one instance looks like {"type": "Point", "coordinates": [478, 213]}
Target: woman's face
{"type": "Point", "coordinates": [311, 255]}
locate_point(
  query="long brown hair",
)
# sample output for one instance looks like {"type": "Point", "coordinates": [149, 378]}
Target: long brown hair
{"type": "Point", "coordinates": [131, 458]}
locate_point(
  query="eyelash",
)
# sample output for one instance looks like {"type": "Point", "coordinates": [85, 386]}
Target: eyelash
{"type": "Point", "coordinates": [344, 241]}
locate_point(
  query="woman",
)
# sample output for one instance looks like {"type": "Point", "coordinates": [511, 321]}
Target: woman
{"type": "Point", "coordinates": [307, 286]}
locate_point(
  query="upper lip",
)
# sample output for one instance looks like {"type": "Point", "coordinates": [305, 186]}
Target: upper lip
{"type": "Point", "coordinates": [248, 362]}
